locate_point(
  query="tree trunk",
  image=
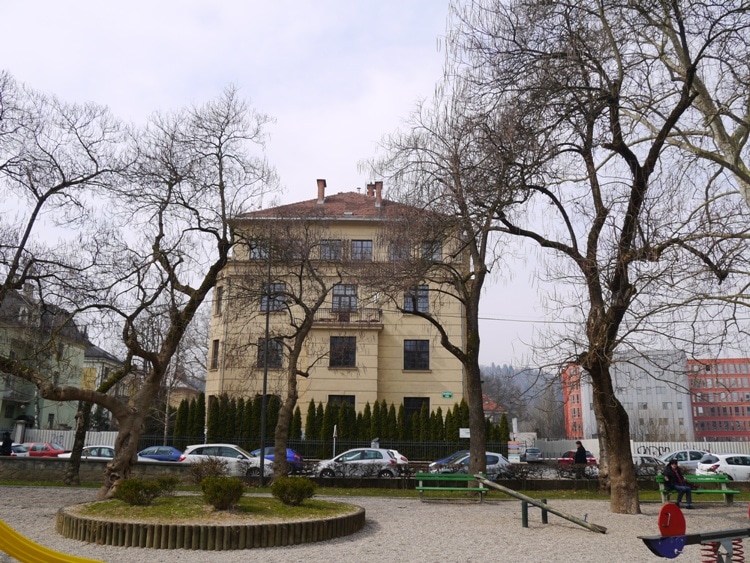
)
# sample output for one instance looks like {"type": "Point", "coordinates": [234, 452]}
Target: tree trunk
{"type": "Point", "coordinates": [617, 472]}
{"type": "Point", "coordinates": [72, 476]}
{"type": "Point", "coordinates": [126, 452]}
{"type": "Point", "coordinates": [478, 440]}
{"type": "Point", "coordinates": [281, 434]}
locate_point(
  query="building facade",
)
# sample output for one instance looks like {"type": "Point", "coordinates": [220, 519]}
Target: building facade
{"type": "Point", "coordinates": [720, 390]}
{"type": "Point", "coordinates": [653, 388]}
{"type": "Point", "coordinates": [46, 339]}
{"type": "Point", "coordinates": [336, 261]}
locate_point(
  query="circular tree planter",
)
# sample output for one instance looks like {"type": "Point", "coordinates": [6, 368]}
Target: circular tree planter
{"type": "Point", "coordinates": [217, 537]}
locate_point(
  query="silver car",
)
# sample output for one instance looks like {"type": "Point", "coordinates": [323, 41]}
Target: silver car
{"type": "Point", "coordinates": [685, 458]}
{"type": "Point", "coordinates": [363, 462]}
{"type": "Point", "coordinates": [240, 463]}
{"type": "Point", "coordinates": [532, 455]}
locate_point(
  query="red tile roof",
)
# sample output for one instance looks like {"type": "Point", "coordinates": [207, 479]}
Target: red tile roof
{"type": "Point", "coordinates": [341, 206]}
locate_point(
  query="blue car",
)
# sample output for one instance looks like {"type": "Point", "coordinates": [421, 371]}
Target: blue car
{"type": "Point", "coordinates": [455, 456]}
{"type": "Point", "coordinates": [161, 453]}
{"type": "Point", "coordinates": [294, 461]}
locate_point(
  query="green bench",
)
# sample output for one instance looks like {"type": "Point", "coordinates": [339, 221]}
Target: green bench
{"type": "Point", "coordinates": [448, 482]}
{"type": "Point", "coordinates": [700, 480]}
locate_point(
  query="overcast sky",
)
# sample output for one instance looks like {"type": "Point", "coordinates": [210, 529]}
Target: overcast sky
{"type": "Point", "coordinates": [336, 75]}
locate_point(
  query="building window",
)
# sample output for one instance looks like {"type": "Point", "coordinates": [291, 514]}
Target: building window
{"type": "Point", "coordinates": [679, 405]}
{"type": "Point", "coordinates": [344, 298]}
{"type": "Point", "coordinates": [416, 354]}
{"type": "Point", "coordinates": [362, 250]}
{"type": "Point", "coordinates": [399, 251]}
{"type": "Point", "coordinates": [330, 250]}
{"type": "Point", "coordinates": [417, 299]}
{"type": "Point", "coordinates": [413, 406]}
{"type": "Point", "coordinates": [341, 399]}
{"type": "Point", "coordinates": [343, 353]}
{"type": "Point", "coordinates": [218, 301]}
{"type": "Point", "coordinates": [10, 410]}
{"type": "Point", "coordinates": [643, 406]}
{"type": "Point", "coordinates": [258, 250]}
{"type": "Point", "coordinates": [214, 354]}
{"type": "Point", "coordinates": [275, 352]}
{"type": "Point", "coordinates": [273, 297]}
{"type": "Point", "coordinates": [432, 251]}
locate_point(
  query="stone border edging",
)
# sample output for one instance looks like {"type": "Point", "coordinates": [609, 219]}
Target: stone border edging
{"type": "Point", "coordinates": [206, 537]}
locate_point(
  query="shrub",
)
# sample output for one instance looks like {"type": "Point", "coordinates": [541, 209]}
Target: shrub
{"type": "Point", "coordinates": [167, 485]}
{"type": "Point", "coordinates": [293, 490]}
{"type": "Point", "coordinates": [137, 492]}
{"type": "Point", "coordinates": [222, 492]}
{"type": "Point", "coordinates": [207, 467]}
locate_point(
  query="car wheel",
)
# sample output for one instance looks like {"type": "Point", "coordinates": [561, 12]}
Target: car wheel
{"type": "Point", "coordinates": [253, 472]}
{"type": "Point", "coordinates": [327, 473]}
{"type": "Point", "coordinates": [385, 474]}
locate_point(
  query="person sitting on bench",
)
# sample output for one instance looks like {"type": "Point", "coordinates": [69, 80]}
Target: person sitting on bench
{"type": "Point", "coordinates": [674, 481]}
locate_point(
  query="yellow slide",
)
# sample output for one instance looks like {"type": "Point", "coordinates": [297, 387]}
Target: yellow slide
{"type": "Point", "coordinates": [27, 551]}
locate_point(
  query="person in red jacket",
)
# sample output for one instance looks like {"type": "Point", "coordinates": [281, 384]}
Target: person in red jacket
{"type": "Point", "coordinates": [674, 481]}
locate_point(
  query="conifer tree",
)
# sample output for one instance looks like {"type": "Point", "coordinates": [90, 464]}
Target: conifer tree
{"type": "Point", "coordinates": [391, 425]}
{"type": "Point", "coordinates": [199, 421]}
{"type": "Point", "coordinates": [504, 429]}
{"type": "Point", "coordinates": [451, 427]}
{"type": "Point", "coordinates": [366, 426]}
{"type": "Point", "coordinates": [214, 419]}
{"type": "Point", "coordinates": [238, 417]}
{"type": "Point", "coordinates": [438, 426]}
{"type": "Point", "coordinates": [192, 417]}
{"type": "Point", "coordinates": [319, 416]}
{"type": "Point", "coordinates": [375, 422]}
{"type": "Point", "coordinates": [424, 423]}
{"type": "Point", "coordinates": [295, 430]}
{"type": "Point", "coordinates": [463, 410]}
{"type": "Point", "coordinates": [247, 423]}
{"type": "Point", "coordinates": [181, 425]}
{"type": "Point", "coordinates": [401, 422]}
{"type": "Point", "coordinates": [311, 426]}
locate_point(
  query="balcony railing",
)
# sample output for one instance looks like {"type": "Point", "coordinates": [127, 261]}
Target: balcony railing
{"type": "Point", "coordinates": [362, 315]}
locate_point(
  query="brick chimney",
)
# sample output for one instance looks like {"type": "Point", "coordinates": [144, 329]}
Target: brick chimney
{"type": "Point", "coordinates": [321, 191]}
{"type": "Point", "coordinates": [378, 194]}
{"type": "Point", "coordinates": [370, 190]}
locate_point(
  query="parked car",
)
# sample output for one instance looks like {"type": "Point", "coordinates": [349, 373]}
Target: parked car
{"type": "Point", "coordinates": [450, 459]}
{"type": "Point", "coordinates": [497, 466]}
{"type": "Point", "coordinates": [19, 450]}
{"type": "Point", "coordinates": [685, 458]}
{"type": "Point", "coordinates": [647, 465]}
{"type": "Point", "coordinates": [363, 462]}
{"type": "Point", "coordinates": [567, 458]}
{"type": "Point", "coordinates": [736, 466]}
{"type": "Point", "coordinates": [161, 453]}
{"type": "Point", "coordinates": [532, 455]}
{"type": "Point", "coordinates": [95, 453]}
{"type": "Point", "coordinates": [239, 462]}
{"type": "Point", "coordinates": [44, 449]}
{"type": "Point", "coordinates": [294, 461]}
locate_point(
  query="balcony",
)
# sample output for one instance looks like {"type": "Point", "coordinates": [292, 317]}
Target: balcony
{"type": "Point", "coordinates": [358, 316]}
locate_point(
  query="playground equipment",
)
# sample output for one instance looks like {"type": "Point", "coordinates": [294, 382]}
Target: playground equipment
{"type": "Point", "coordinates": [673, 539]}
{"type": "Point", "coordinates": [525, 501]}
{"type": "Point", "coordinates": [27, 551]}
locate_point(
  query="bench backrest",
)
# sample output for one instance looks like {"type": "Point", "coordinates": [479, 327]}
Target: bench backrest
{"type": "Point", "coordinates": [445, 477]}
{"type": "Point", "coordinates": [718, 478]}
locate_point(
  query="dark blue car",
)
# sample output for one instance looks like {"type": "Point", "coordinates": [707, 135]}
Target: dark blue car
{"type": "Point", "coordinates": [294, 461]}
{"type": "Point", "coordinates": [161, 453]}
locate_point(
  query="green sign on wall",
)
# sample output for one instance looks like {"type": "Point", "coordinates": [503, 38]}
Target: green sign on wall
{"type": "Point", "coordinates": [447, 394]}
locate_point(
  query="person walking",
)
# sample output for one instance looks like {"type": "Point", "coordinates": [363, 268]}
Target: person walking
{"type": "Point", "coordinates": [6, 448]}
{"type": "Point", "coordinates": [675, 481]}
{"type": "Point", "coordinates": [579, 460]}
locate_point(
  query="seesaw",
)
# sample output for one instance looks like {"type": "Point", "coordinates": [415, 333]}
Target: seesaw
{"type": "Point", "coordinates": [27, 551]}
{"type": "Point", "coordinates": [673, 539]}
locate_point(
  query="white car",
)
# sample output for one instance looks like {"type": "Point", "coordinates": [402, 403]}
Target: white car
{"type": "Point", "coordinates": [96, 453]}
{"type": "Point", "coordinates": [19, 450]}
{"type": "Point", "coordinates": [497, 466]}
{"type": "Point", "coordinates": [736, 466]}
{"type": "Point", "coordinates": [685, 458]}
{"type": "Point", "coordinates": [363, 462]}
{"type": "Point", "coordinates": [240, 463]}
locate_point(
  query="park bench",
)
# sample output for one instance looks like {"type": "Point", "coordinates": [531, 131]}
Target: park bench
{"type": "Point", "coordinates": [700, 480]}
{"type": "Point", "coordinates": [448, 482]}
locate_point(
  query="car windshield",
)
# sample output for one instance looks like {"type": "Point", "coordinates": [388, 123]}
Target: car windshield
{"type": "Point", "coordinates": [55, 446]}
{"type": "Point", "coordinates": [453, 458]}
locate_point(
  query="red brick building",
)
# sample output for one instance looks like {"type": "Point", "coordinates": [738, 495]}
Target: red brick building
{"type": "Point", "coordinates": [720, 399]}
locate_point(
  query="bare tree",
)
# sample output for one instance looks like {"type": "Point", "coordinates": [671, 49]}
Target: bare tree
{"type": "Point", "coordinates": [274, 289]}
{"type": "Point", "coordinates": [191, 172]}
{"type": "Point", "coordinates": [634, 230]}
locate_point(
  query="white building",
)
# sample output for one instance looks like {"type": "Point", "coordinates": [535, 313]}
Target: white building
{"type": "Point", "coordinates": [653, 387]}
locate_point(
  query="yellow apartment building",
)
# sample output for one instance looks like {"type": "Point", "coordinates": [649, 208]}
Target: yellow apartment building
{"type": "Point", "coordinates": [339, 261]}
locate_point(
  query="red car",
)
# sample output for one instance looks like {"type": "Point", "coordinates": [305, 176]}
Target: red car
{"type": "Point", "coordinates": [44, 449]}
{"type": "Point", "coordinates": [567, 458]}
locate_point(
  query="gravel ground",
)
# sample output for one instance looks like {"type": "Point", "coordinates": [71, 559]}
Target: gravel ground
{"type": "Point", "coordinates": [408, 530]}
